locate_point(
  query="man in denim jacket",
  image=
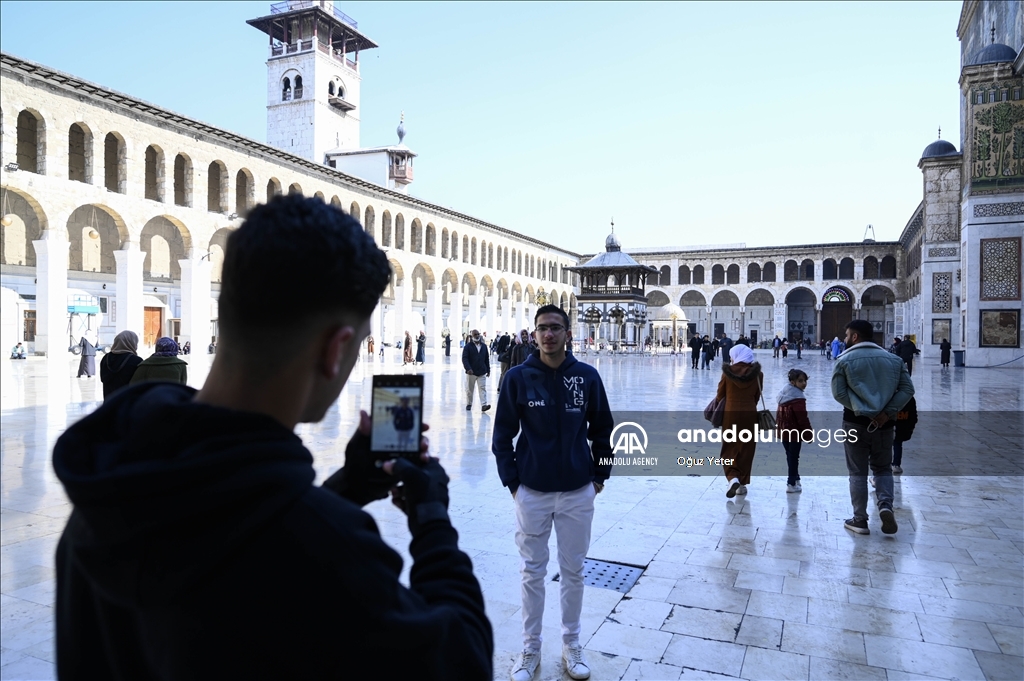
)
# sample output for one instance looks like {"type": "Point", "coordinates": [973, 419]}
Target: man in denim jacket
{"type": "Point", "coordinates": [872, 385]}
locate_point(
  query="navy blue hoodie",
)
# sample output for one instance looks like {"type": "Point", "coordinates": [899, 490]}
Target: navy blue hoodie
{"type": "Point", "coordinates": [199, 548]}
{"type": "Point", "coordinates": [558, 410]}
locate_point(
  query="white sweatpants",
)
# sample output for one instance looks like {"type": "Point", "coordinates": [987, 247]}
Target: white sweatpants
{"type": "Point", "coordinates": [572, 514]}
{"type": "Point", "coordinates": [481, 384]}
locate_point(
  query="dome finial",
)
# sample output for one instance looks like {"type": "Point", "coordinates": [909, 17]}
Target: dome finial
{"type": "Point", "coordinates": [993, 33]}
{"type": "Point", "coordinates": [940, 132]}
{"type": "Point", "coordinates": [401, 128]}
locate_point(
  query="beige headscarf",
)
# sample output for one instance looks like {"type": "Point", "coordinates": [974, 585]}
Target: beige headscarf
{"type": "Point", "coordinates": [126, 342]}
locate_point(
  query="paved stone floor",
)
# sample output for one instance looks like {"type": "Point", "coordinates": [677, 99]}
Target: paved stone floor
{"type": "Point", "coordinates": [766, 587]}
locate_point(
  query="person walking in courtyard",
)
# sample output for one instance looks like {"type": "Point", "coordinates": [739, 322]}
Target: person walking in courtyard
{"type": "Point", "coordinates": [776, 346]}
{"type": "Point", "coordinates": [695, 346]}
{"type": "Point", "coordinates": [87, 364]}
{"type": "Point", "coordinates": [944, 349]}
{"type": "Point", "coordinates": [448, 345]}
{"type": "Point", "coordinates": [191, 508]}
{"type": "Point", "coordinates": [906, 420]}
{"type": "Point", "coordinates": [421, 345]}
{"type": "Point", "coordinates": [555, 404]}
{"type": "Point", "coordinates": [407, 349]}
{"type": "Point", "coordinates": [872, 385]}
{"type": "Point", "coordinates": [523, 349]}
{"type": "Point", "coordinates": [162, 365]}
{"type": "Point", "coordinates": [906, 350]}
{"type": "Point", "coordinates": [707, 350]}
{"type": "Point", "coordinates": [740, 387]}
{"type": "Point", "coordinates": [369, 347]}
{"type": "Point", "coordinates": [476, 360]}
{"type": "Point", "coordinates": [117, 368]}
{"type": "Point", "coordinates": [726, 345]}
{"type": "Point", "coordinates": [837, 348]}
{"type": "Point", "coordinates": [785, 349]}
{"type": "Point", "coordinates": [821, 345]}
{"type": "Point", "coordinates": [793, 426]}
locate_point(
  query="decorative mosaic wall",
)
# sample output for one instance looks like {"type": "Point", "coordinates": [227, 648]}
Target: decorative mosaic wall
{"type": "Point", "coordinates": [997, 136]}
{"type": "Point", "coordinates": [1000, 269]}
{"type": "Point", "coordinates": [998, 210]}
{"type": "Point", "coordinates": [941, 252]}
{"type": "Point", "coordinates": [942, 292]}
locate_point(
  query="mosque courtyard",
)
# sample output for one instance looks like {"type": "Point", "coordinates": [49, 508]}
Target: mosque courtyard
{"type": "Point", "coordinates": [767, 586]}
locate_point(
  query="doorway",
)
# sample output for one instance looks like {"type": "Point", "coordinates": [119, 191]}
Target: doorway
{"type": "Point", "coordinates": [152, 323]}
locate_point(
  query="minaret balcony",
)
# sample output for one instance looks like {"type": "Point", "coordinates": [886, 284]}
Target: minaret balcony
{"type": "Point", "coordinates": [400, 173]}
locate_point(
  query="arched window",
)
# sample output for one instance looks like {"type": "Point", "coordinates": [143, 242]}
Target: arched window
{"type": "Point", "coordinates": [829, 270]}
{"type": "Point", "coordinates": [732, 275]}
{"type": "Point", "coordinates": [385, 229]}
{"type": "Point", "coordinates": [768, 274]}
{"type": "Point", "coordinates": [245, 192]}
{"type": "Point", "coordinates": [790, 271]}
{"type": "Point", "coordinates": [182, 180]}
{"type": "Point", "coordinates": [444, 243]}
{"type": "Point", "coordinates": [400, 232]}
{"type": "Point", "coordinates": [887, 269]}
{"type": "Point", "coordinates": [114, 176]}
{"type": "Point", "coordinates": [717, 275]}
{"type": "Point", "coordinates": [871, 267]}
{"type": "Point", "coordinates": [330, 88]}
{"type": "Point", "coordinates": [216, 178]}
{"type": "Point", "coordinates": [455, 246]}
{"type": "Point", "coordinates": [273, 188]}
{"type": "Point", "coordinates": [846, 268]}
{"type": "Point", "coordinates": [472, 258]}
{"type": "Point", "coordinates": [684, 274]}
{"type": "Point", "coordinates": [286, 90]}
{"type": "Point", "coordinates": [79, 153]}
{"type": "Point", "coordinates": [416, 236]}
{"type": "Point", "coordinates": [295, 188]}
{"type": "Point", "coordinates": [298, 87]}
{"type": "Point", "coordinates": [753, 272]}
{"type": "Point", "coordinates": [465, 249]}
{"type": "Point", "coordinates": [431, 239]}
{"type": "Point", "coordinates": [698, 274]}
{"type": "Point", "coordinates": [154, 173]}
{"type": "Point", "coordinates": [807, 270]}
{"type": "Point", "coordinates": [368, 221]}
{"type": "Point", "coordinates": [31, 145]}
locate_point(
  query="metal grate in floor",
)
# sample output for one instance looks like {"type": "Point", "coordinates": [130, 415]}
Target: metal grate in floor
{"type": "Point", "coordinates": [605, 575]}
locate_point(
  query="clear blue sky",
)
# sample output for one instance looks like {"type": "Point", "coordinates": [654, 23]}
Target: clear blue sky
{"type": "Point", "coordinates": [770, 124]}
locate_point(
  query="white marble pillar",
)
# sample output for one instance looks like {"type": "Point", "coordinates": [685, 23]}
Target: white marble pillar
{"type": "Point", "coordinates": [506, 317]}
{"type": "Point", "coordinates": [520, 316]}
{"type": "Point", "coordinates": [474, 311]}
{"type": "Point", "coordinates": [376, 325]}
{"type": "Point", "coordinates": [434, 325]}
{"type": "Point", "coordinates": [779, 325]}
{"type": "Point", "coordinates": [455, 316]}
{"type": "Point", "coordinates": [130, 308]}
{"type": "Point", "coordinates": [403, 312]}
{"type": "Point", "coordinates": [491, 302]}
{"type": "Point", "coordinates": [195, 302]}
{"type": "Point", "coordinates": [52, 293]}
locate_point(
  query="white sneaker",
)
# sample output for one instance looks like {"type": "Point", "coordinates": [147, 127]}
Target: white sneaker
{"type": "Point", "coordinates": [575, 663]}
{"type": "Point", "coordinates": [742, 489]}
{"type": "Point", "coordinates": [525, 665]}
{"type": "Point", "coordinates": [799, 487]}
{"type": "Point", "coordinates": [734, 485]}
{"type": "Point", "coordinates": [793, 489]}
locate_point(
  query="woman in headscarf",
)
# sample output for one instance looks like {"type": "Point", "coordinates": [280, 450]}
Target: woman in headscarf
{"type": "Point", "coordinates": [407, 349]}
{"type": "Point", "coordinates": [87, 365]}
{"type": "Point", "coordinates": [421, 344]}
{"type": "Point", "coordinates": [162, 365]}
{"type": "Point", "coordinates": [740, 387]}
{"type": "Point", "coordinates": [118, 366]}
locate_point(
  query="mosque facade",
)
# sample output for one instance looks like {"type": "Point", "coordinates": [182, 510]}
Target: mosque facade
{"type": "Point", "coordinates": [116, 213]}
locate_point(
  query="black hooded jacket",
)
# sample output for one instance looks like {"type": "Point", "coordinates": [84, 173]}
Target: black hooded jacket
{"type": "Point", "coordinates": [199, 548]}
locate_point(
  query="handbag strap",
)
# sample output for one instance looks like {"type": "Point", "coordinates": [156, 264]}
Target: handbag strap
{"type": "Point", "coordinates": [760, 385]}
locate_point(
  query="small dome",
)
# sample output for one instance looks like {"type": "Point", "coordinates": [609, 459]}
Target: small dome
{"type": "Point", "coordinates": [939, 148]}
{"type": "Point", "coordinates": [612, 243]}
{"type": "Point", "coordinates": [994, 54]}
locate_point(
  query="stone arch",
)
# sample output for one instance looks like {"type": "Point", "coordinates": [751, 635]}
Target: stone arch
{"type": "Point", "coordinates": [829, 269]}
{"type": "Point", "coordinates": [153, 175]}
{"type": "Point", "coordinates": [444, 243]}
{"type": "Point", "coordinates": [28, 220]}
{"type": "Point", "coordinates": [877, 308]}
{"type": "Point", "coordinates": [665, 276]}
{"type": "Point", "coordinates": [725, 298]}
{"type": "Point", "coordinates": [698, 274]}
{"type": "Point", "coordinates": [183, 180]}
{"type": "Point", "coordinates": [563, 302]}
{"type": "Point", "coordinates": [887, 268]}
{"type": "Point", "coordinates": [759, 297]}
{"type": "Point", "coordinates": [449, 284]}
{"type": "Point", "coordinates": [320, 195]}
{"type": "Point", "coordinates": [159, 233]}
{"type": "Point", "coordinates": [399, 231]}
{"type": "Point", "coordinates": [31, 142]}
{"type": "Point", "coordinates": [753, 273]}
{"type": "Point", "coordinates": [218, 245]}
{"type": "Point", "coordinates": [465, 249]}
{"type": "Point", "coordinates": [416, 236]}
{"type": "Point", "coordinates": [502, 288]}
{"type": "Point", "coordinates": [790, 271]}
{"type": "Point", "coordinates": [657, 299]}
{"type": "Point", "coordinates": [217, 187]}
{"type": "Point", "coordinates": [732, 274]}
{"type": "Point", "coordinates": [487, 288]}
{"type": "Point", "coordinates": [115, 170]}
{"type": "Point", "coordinates": [353, 209]}
{"type": "Point", "coordinates": [431, 247]}
{"type": "Point", "coordinates": [385, 229]}
{"type": "Point", "coordinates": [490, 255]}
{"type": "Point", "coordinates": [692, 298]}
{"type": "Point", "coordinates": [806, 270]}
{"type": "Point", "coordinates": [800, 314]}
{"type": "Point", "coordinates": [530, 294]}
{"type": "Point", "coordinates": [516, 292]}
{"type": "Point", "coordinates": [80, 153]}
{"type": "Point", "coordinates": [684, 275]}
{"type": "Point", "coordinates": [768, 272]}
{"type": "Point", "coordinates": [422, 281]}
{"type": "Point", "coordinates": [336, 202]}
{"type": "Point", "coordinates": [397, 279]}
{"type": "Point", "coordinates": [245, 192]}
{"type": "Point", "coordinates": [472, 257]}
{"type": "Point", "coordinates": [846, 268]}
{"type": "Point", "coordinates": [871, 270]}
{"type": "Point", "coordinates": [717, 275]}
{"type": "Point", "coordinates": [878, 295]}
{"type": "Point", "coordinates": [837, 294]}
{"type": "Point", "coordinates": [273, 188]}
{"type": "Point", "coordinates": [468, 287]}
{"type": "Point", "coordinates": [368, 222]}
{"type": "Point", "coordinates": [455, 246]}
{"type": "Point", "coordinates": [295, 188]}
{"type": "Point", "coordinates": [94, 233]}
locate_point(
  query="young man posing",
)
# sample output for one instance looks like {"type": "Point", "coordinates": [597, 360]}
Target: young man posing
{"type": "Point", "coordinates": [199, 547]}
{"type": "Point", "coordinates": [555, 404]}
{"type": "Point", "coordinates": [477, 363]}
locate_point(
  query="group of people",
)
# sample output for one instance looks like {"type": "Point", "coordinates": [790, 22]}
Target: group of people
{"type": "Point", "coordinates": [876, 393]}
{"type": "Point", "coordinates": [703, 350]}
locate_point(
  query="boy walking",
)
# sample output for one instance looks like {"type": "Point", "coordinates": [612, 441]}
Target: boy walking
{"type": "Point", "coordinates": [555, 404]}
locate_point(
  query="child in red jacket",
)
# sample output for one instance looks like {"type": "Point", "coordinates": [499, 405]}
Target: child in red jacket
{"type": "Point", "coordinates": [793, 426]}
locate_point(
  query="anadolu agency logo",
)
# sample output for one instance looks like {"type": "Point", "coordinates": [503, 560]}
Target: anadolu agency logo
{"type": "Point", "coordinates": [628, 438]}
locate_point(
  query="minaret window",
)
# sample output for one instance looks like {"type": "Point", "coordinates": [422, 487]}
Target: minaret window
{"type": "Point", "coordinates": [298, 87]}
{"type": "Point", "coordinates": [286, 89]}
{"type": "Point", "coordinates": [330, 89]}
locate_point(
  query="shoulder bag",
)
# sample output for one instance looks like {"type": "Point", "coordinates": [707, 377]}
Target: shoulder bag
{"type": "Point", "coordinates": [715, 412]}
{"type": "Point", "coordinates": [765, 419]}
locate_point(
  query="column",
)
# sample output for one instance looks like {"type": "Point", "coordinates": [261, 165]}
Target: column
{"type": "Point", "coordinates": [474, 311]}
{"type": "Point", "coordinates": [817, 322]}
{"type": "Point", "coordinates": [491, 302]}
{"type": "Point", "coordinates": [52, 293]}
{"type": "Point", "coordinates": [130, 308]}
{"type": "Point", "coordinates": [779, 325]}
{"type": "Point", "coordinates": [434, 324]}
{"type": "Point", "coordinates": [376, 325]}
{"type": "Point", "coordinates": [403, 311]}
{"type": "Point", "coordinates": [455, 316]}
{"type": "Point", "coordinates": [506, 317]}
{"type": "Point", "coordinates": [195, 303]}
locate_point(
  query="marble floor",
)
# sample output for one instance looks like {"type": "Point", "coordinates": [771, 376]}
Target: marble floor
{"type": "Point", "coordinates": [770, 586]}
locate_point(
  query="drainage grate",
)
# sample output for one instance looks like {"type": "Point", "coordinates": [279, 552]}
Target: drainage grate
{"type": "Point", "coordinates": [605, 575]}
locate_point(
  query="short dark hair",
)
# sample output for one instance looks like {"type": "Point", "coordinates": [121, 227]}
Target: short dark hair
{"type": "Point", "coordinates": [796, 375]}
{"type": "Point", "coordinates": [551, 309]}
{"type": "Point", "coordinates": [862, 328]}
{"type": "Point", "coordinates": [295, 259]}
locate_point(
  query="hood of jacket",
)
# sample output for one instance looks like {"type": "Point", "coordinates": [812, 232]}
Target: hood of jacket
{"type": "Point", "coordinates": [751, 375]}
{"type": "Point", "coordinates": [534, 361]}
{"type": "Point", "coordinates": [154, 360]}
{"type": "Point", "coordinates": [165, 488]}
{"type": "Point", "coordinates": [789, 393]}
